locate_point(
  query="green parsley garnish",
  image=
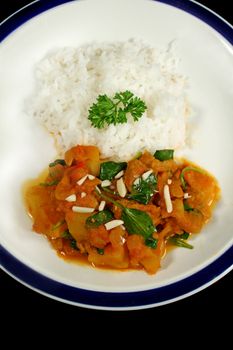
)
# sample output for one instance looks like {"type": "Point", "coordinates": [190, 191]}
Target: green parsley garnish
{"type": "Point", "coordinates": [114, 111]}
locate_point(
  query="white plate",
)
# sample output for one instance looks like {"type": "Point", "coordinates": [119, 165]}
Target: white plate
{"type": "Point", "coordinates": [26, 148]}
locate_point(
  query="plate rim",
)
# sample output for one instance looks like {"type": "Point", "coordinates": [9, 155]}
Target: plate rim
{"type": "Point", "coordinates": [117, 300]}
{"type": "Point", "coordinates": [36, 7]}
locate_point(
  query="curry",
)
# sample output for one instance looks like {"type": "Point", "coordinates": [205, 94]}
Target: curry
{"type": "Point", "coordinates": [121, 215]}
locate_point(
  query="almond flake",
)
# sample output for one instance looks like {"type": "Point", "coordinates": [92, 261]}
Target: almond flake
{"type": "Point", "coordinates": [97, 189]}
{"type": "Point", "coordinates": [82, 180]}
{"type": "Point", "coordinates": [167, 198]}
{"type": "Point", "coordinates": [82, 209]}
{"type": "Point", "coordinates": [120, 174]}
{"type": "Point", "coordinates": [105, 183]}
{"type": "Point", "coordinates": [147, 174]}
{"type": "Point", "coordinates": [112, 224]}
{"type": "Point", "coordinates": [137, 181]}
{"type": "Point", "coordinates": [102, 205]}
{"type": "Point", "coordinates": [71, 198]}
{"type": "Point", "coordinates": [121, 188]}
{"type": "Point", "coordinates": [83, 194]}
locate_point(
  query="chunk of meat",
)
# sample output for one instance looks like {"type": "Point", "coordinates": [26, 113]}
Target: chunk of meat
{"type": "Point", "coordinates": [112, 257]}
{"type": "Point", "coordinates": [42, 207]}
{"type": "Point", "coordinates": [87, 154]}
{"type": "Point", "coordinates": [203, 191]}
{"type": "Point", "coordinates": [157, 165]}
{"type": "Point", "coordinates": [67, 185]}
{"type": "Point", "coordinates": [134, 170]}
{"type": "Point", "coordinates": [189, 221]}
{"type": "Point", "coordinates": [76, 223]}
{"type": "Point", "coordinates": [140, 254]}
{"type": "Point", "coordinates": [117, 236]}
{"type": "Point", "coordinates": [98, 236]}
{"type": "Point", "coordinates": [176, 189]}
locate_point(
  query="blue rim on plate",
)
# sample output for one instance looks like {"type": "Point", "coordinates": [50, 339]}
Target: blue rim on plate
{"type": "Point", "coordinates": [120, 301]}
{"type": "Point", "coordinates": [194, 8]}
{"type": "Point", "coordinates": [129, 300]}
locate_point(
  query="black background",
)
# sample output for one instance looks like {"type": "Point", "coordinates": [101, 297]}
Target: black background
{"type": "Point", "coordinates": [208, 308]}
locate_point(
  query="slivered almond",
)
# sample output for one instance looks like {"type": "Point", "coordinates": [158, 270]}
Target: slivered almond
{"type": "Point", "coordinates": [71, 198]}
{"type": "Point", "coordinates": [112, 224]}
{"type": "Point", "coordinates": [105, 183]}
{"type": "Point", "coordinates": [121, 188]}
{"type": "Point", "coordinates": [83, 194]}
{"type": "Point", "coordinates": [97, 189]}
{"type": "Point", "coordinates": [91, 177]}
{"type": "Point", "coordinates": [120, 174]}
{"type": "Point", "coordinates": [82, 180]}
{"type": "Point", "coordinates": [82, 209]}
{"type": "Point", "coordinates": [147, 174]}
{"type": "Point", "coordinates": [137, 181]}
{"type": "Point", "coordinates": [167, 199]}
{"type": "Point", "coordinates": [169, 181]}
{"type": "Point", "coordinates": [102, 205]}
{"type": "Point", "coordinates": [186, 196]}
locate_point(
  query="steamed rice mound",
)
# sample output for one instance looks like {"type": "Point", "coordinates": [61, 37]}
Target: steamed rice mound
{"type": "Point", "coordinates": [70, 79]}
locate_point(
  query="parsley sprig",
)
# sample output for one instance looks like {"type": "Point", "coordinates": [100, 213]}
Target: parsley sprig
{"type": "Point", "coordinates": [114, 111]}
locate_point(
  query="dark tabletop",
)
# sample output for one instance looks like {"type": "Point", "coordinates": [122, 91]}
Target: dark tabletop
{"type": "Point", "coordinates": [212, 303]}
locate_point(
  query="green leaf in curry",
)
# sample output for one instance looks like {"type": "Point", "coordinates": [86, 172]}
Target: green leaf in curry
{"type": "Point", "coordinates": [57, 161]}
{"type": "Point", "coordinates": [180, 241]}
{"type": "Point", "coordinates": [144, 189]}
{"type": "Point", "coordinates": [164, 154]}
{"type": "Point", "coordinates": [151, 242]}
{"type": "Point", "coordinates": [100, 251]}
{"type": "Point", "coordinates": [108, 170]}
{"type": "Point", "coordinates": [50, 183]}
{"type": "Point", "coordinates": [67, 235]}
{"type": "Point", "coordinates": [99, 218]}
{"type": "Point", "coordinates": [187, 207]}
{"type": "Point", "coordinates": [135, 221]}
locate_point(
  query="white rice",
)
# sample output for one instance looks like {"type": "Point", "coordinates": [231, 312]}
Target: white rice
{"type": "Point", "coordinates": [70, 79]}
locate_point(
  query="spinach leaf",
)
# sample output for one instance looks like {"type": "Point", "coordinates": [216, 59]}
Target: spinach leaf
{"type": "Point", "coordinates": [57, 161]}
{"type": "Point", "coordinates": [184, 235]}
{"type": "Point", "coordinates": [164, 154]}
{"type": "Point", "coordinates": [137, 222]}
{"type": "Point", "coordinates": [187, 206]}
{"type": "Point", "coordinates": [100, 251]}
{"type": "Point", "coordinates": [67, 235]}
{"type": "Point", "coordinates": [179, 242]}
{"type": "Point", "coordinates": [110, 169]}
{"type": "Point", "coordinates": [151, 242]}
{"type": "Point", "coordinates": [144, 190]}
{"type": "Point", "coordinates": [99, 218]}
